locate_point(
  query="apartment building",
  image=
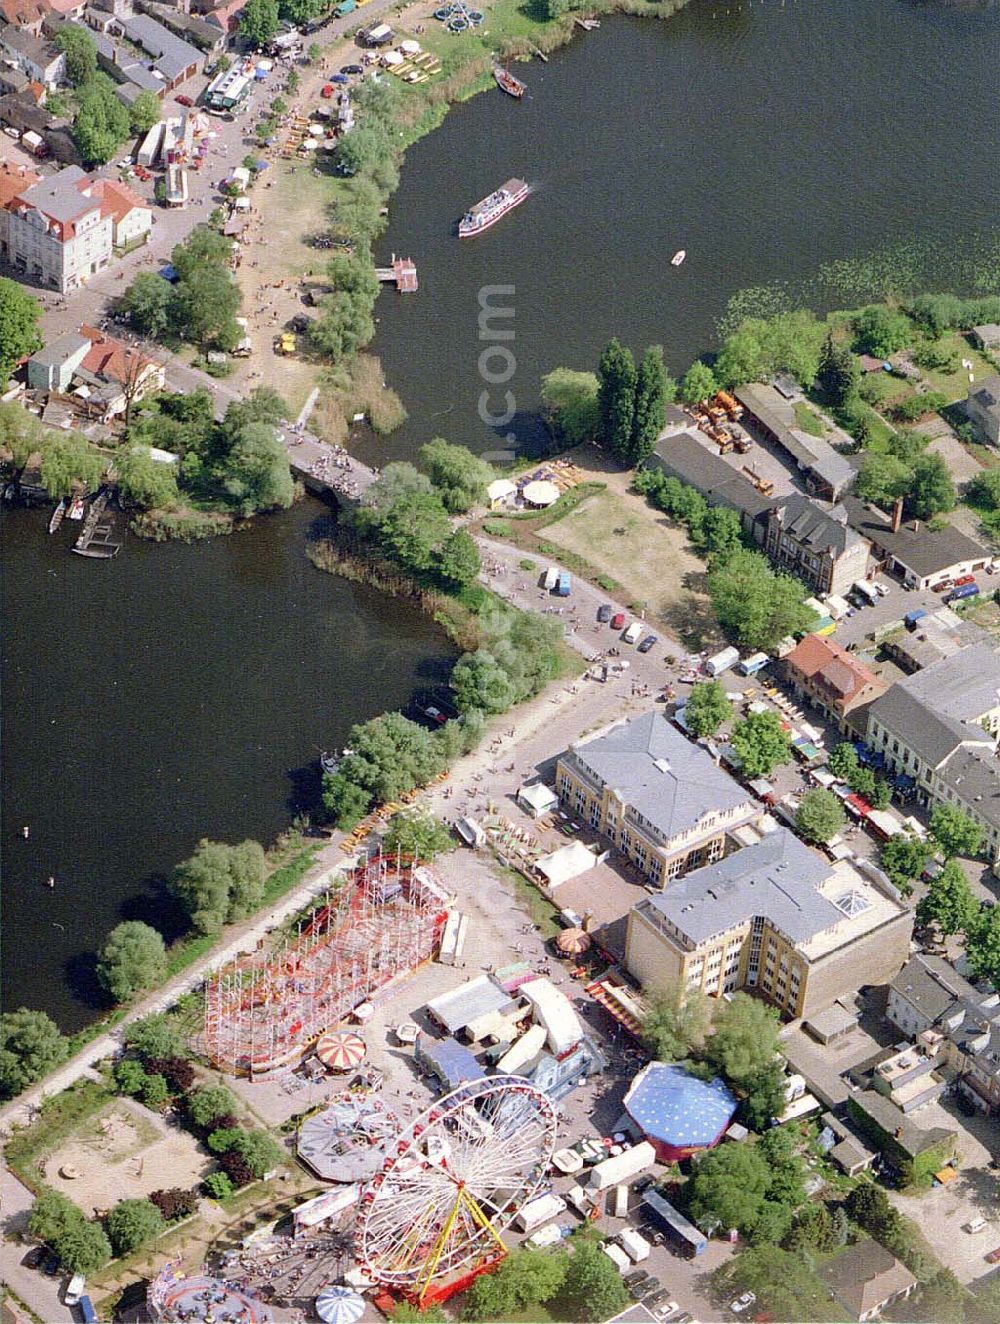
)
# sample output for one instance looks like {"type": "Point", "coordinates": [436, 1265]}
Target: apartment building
{"type": "Point", "coordinates": [777, 918]}
{"type": "Point", "coordinates": [814, 544]}
{"type": "Point", "coordinates": [832, 679]}
{"type": "Point", "coordinates": [56, 232]}
{"type": "Point", "coordinates": [661, 800]}
{"type": "Point", "coordinates": [940, 727]}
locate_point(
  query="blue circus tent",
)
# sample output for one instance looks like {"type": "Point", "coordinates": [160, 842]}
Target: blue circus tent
{"type": "Point", "coordinates": [678, 1113]}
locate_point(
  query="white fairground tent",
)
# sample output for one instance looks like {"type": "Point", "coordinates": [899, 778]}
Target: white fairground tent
{"type": "Point", "coordinates": [541, 493]}
{"type": "Point", "coordinates": [569, 861]}
{"type": "Point", "coordinates": [500, 490]}
{"type": "Point", "coordinates": [537, 799]}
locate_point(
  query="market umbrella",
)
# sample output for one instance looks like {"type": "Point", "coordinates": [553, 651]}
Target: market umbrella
{"type": "Point", "coordinates": [341, 1049]}
{"type": "Point", "coordinates": [410, 47]}
{"type": "Point", "coordinates": [339, 1305]}
{"type": "Point", "coordinates": [540, 493]}
{"type": "Point", "coordinates": [573, 942]}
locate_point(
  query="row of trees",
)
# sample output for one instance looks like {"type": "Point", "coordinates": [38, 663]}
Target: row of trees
{"type": "Point", "coordinates": [578, 1282]}
{"type": "Point", "coordinates": [200, 305]}
{"type": "Point", "coordinates": [756, 605]}
{"type": "Point", "coordinates": [632, 401]}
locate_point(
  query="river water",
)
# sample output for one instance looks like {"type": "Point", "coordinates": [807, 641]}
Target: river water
{"type": "Point", "coordinates": [173, 693]}
{"type": "Point", "coordinates": [764, 138]}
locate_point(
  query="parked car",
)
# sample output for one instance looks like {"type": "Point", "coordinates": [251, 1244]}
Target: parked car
{"type": "Point", "coordinates": [975, 1225]}
{"type": "Point", "coordinates": [352, 69]}
{"type": "Point", "coordinates": [636, 1276]}
{"type": "Point", "coordinates": [604, 613]}
{"type": "Point", "coordinates": [965, 579]}
{"type": "Point", "coordinates": [649, 642]}
{"type": "Point", "coordinates": [993, 1257]}
{"type": "Point", "coordinates": [51, 1264]}
{"type": "Point", "coordinates": [618, 620]}
{"type": "Point", "coordinates": [650, 1288]}
{"type": "Point", "coordinates": [743, 1302]}
{"type": "Point", "coordinates": [75, 1289]}
{"type": "Point", "coordinates": [662, 1307]}
{"type": "Point", "coordinates": [34, 1257]}
{"type": "Point", "coordinates": [326, 91]}
{"type": "Point", "coordinates": [184, 100]}
{"type": "Point", "coordinates": [940, 588]}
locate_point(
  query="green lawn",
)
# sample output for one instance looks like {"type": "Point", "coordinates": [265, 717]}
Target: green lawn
{"type": "Point", "coordinates": [808, 420]}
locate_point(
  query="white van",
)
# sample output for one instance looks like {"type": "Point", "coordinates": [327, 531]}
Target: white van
{"type": "Point", "coordinates": [633, 632]}
{"type": "Point", "coordinates": [75, 1289]}
{"type": "Point", "coordinates": [551, 578]}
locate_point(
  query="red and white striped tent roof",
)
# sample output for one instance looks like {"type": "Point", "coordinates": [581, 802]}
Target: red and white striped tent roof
{"type": "Point", "coordinates": [341, 1049]}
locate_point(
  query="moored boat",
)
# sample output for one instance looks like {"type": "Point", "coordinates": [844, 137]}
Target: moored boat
{"type": "Point", "coordinates": [58, 515]}
{"type": "Point", "coordinates": [506, 82]}
{"type": "Point", "coordinates": [678, 257]}
{"type": "Point", "coordinates": [76, 509]}
{"type": "Point", "coordinates": [489, 211]}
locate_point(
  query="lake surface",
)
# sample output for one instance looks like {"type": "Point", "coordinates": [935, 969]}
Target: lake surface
{"type": "Point", "coordinates": [173, 693]}
{"type": "Point", "coordinates": [183, 691]}
{"type": "Point", "coordinates": [765, 139]}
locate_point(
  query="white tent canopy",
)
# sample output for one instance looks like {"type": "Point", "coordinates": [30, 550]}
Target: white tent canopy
{"type": "Point", "coordinates": [537, 799]}
{"type": "Point", "coordinates": [410, 47]}
{"type": "Point", "coordinates": [567, 862]}
{"type": "Point", "coordinates": [553, 1010]}
{"type": "Point", "coordinates": [541, 493]}
{"type": "Point", "coordinates": [392, 57]}
{"type": "Point", "coordinates": [500, 489]}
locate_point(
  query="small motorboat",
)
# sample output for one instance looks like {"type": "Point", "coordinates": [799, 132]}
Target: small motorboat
{"type": "Point", "coordinates": [58, 515]}
{"type": "Point", "coordinates": [678, 257]}
{"type": "Point", "coordinates": [77, 508]}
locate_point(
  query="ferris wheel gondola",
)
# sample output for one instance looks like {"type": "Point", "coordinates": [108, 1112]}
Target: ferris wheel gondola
{"type": "Point", "coordinates": [435, 1214]}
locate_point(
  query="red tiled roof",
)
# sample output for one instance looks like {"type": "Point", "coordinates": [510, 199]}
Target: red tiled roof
{"type": "Point", "coordinates": [116, 199]}
{"type": "Point", "coordinates": [823, 660]}
{"type": "Point", "coordinates": [14, 180]}
{"type": "Point", "coordinates": [111, 358]}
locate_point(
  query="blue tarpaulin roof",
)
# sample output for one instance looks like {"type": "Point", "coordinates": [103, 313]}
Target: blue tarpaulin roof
{"type": "Point", "coordinates": [670, 1105]}
{"type": "Point", "coordinates": [451, 1061]}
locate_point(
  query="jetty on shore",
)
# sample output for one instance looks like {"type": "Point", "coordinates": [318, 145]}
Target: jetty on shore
{"type": "Point", "coordinates": [97, 538]}
{"type": "Point", "coordinates": [402, 273]}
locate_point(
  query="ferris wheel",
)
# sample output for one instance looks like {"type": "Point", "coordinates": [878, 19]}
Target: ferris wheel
{"type": "Point", "coordinates": [458, 1177]}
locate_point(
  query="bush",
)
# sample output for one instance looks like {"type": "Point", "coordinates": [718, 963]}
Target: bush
{"type": "Point", "coordinates": [236, 1168]}
{"type": "Point", "coordinates": [129, 1077]}
{"type": "Point", "coordinates": [132, 1223]}
{"type": "Point", "coordinates": [174, 1203]}
{"type": "Point", "coordinates": [178, 1072]}
{"type": "Point", "coordinates": [218, 1186]}
{"type": "Point", "coordinates": [208, 1104]}
{"type": "Point", "coordinates": [154, 1092]}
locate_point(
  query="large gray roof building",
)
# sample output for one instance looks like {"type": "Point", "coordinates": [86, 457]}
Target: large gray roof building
{"type": "Point", "coordinates": [662, 800]}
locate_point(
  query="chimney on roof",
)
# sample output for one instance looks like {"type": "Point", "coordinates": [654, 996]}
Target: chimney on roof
{"type": "Point", "coordinates": [897, 514]}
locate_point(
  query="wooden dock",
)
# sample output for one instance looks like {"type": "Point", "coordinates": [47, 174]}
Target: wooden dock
{"type": "Point", "coordinates": [402, 273]}
{"type": "Point", "coordinates": [97, 537]}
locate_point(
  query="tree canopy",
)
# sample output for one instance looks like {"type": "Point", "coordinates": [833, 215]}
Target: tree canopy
{"type": "Point", "coordinates": [881, 331]}
{"type": "Point", "coordinates": [30, 1046]}
{"type": "Point", "coordinates": [144, 112]}
{"type": "Point", "coordinates": [592, 1289]}
{"type": "Point", "coordinates": [416, 832]}
{"type": "Point", "coordinates": [820, 815]}
{"type": "Point", "coordinates": [762, 743]}
{"type": "Point", "coordinates": [80, 49]}
{"type": "Point", "coordinates": [728, 1187]}
{"type": "Point", "coordinates": [524, 1279]}
{"type": "Point", "coordinates": [259, 21]}
{"type": "Point", "coordinates": [19, 330]}
{"type": "Point", "coordinates": [570, 399]}
{"type": "Point", "coordinates": [675, 1024]}
{"type": "Point", "coordinates": [460, 476]}
{"type": "Point", "coordinates": [707, 708]}
{"type": "Point", "coordinates": [757, 606]}
{"type": "Point", "coordinates": [698, 384]}
{"type": "Point", "coordinates": [102, 122]}
{"type": "Point", "coordinates": [145, 481]}
{"type": "Point", "coordinates": [616, 386]}
{"type": "Point", "coordinates": [132, 957]}
{"type": "Point", "coordinates": [219, 883]}
{"type": "Point", "coordinates": [131, 1223]}
{"type": "Point", "coordinates": [744, 1038]}
{"type": "Point", "coordinates": [954, 831]}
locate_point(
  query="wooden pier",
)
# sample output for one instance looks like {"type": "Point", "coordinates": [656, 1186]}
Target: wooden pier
{"type": "Point", "coordinates": [402, 273]}
{"type": "Point", "coordinates": [97, 537]}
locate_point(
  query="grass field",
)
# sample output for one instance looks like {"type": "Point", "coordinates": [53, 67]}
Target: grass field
{"type": "Point", "coordinates": [620, 535]}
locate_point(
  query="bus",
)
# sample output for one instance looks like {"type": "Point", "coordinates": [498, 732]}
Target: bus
{"type": "Point", "coordinates": [684, 1235]}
